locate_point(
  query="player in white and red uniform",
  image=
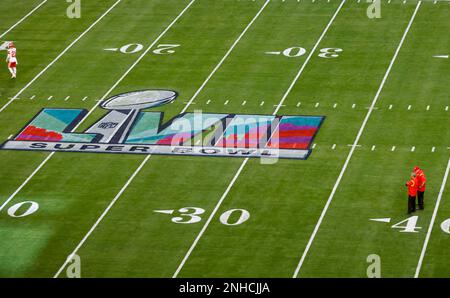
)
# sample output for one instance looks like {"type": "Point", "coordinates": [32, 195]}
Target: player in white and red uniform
{"type": "Point", "coordinates": [11, 59]}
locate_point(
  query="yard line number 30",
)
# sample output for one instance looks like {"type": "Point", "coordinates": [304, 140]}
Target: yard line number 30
{"type": "Point", "coordinates": [294, 52]}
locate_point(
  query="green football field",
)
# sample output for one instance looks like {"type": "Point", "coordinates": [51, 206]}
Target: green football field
{"type": "Point", "coordinates": [380, 81]}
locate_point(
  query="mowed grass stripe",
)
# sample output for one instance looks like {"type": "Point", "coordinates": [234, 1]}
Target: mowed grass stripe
{"type": "Point", "coordinates": [69, 258]}
{"type": "Point", "coordinates": [347, 236]}
{"type": "Point", "coordinates": [41, 38]}
{"type": "Point", "coordinates": [174, 182]}
{"type": "Point", "coordinates": [147, 158]}
{"type": "Point", "coordinates": [100, 70]}
{"type": "Point", "coordinates": [355, 143]}
{"type": "Point", "coordinates": [236, 176]}
{"type": "Point", "coordinates": [98, 102]}
{"type": "Point", "coordinates": [59, 56]}
{"type": "Point", "coordinates": [433, 219]}
{"type": "Point", "coordinates": [434, 264]}
{"type": "Point", "coordinates": [22, 19]}
{"type": "Point", "coordinates": [286, 199]}
{"type": "Point", "coordinates": [117, 168]}
{"type": "Point", "coordinates": [17, 238]}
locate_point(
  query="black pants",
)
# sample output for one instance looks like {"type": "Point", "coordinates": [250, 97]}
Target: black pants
{"type": "Point", "coordinates": [420, 198]}
{"type": "Point", "coordinates": [411, 204]}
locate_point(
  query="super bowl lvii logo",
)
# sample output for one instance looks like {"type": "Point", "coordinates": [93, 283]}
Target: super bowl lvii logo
{"type": "Point", "coordinates": [129, 128]}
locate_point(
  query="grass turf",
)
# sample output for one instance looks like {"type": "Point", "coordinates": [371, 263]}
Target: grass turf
{"type": "Point", "coordinates": [284, 199]}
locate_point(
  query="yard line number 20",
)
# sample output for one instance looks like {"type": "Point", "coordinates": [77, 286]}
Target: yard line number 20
{"type": "Point", "coordinates": [161, 49]}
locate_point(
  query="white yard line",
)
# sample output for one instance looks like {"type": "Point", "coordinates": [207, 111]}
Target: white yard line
{"type": "Point", "coordinates": [433, 219]}
{"type": "Point", "coordinates": [92, 109]}
{"type": "Point", "coordinates": [23, 19]}
{"type": "Point", "coordinates": [355, 143]}
{"type": "Point", "coordinates": [49, 156]}
{"type": "Point", "coordinates": [208, 221]}
{"type": "Point", "coordinates": [69, 258]}
{"type": "Point", "coordinates": [26, 181]}
{"type": "Point", "coordinates": [97, 103]}
{"type": "Point", "coordinates": [236, 176]}
{"type": "Point", "coordinates": [311, 53]}
{"type": "Point", "coordinates": [59, 56]}
{"type": "Point", "coordinates": [224, 57]}
{"type": "Point", "coordinates": [105, 212]}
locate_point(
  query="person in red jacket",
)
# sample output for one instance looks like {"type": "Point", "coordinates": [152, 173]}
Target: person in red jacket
{"type": "Point", "coordinates": [412, 193]}
{"type": "Point", "coordinates": [421, 180]}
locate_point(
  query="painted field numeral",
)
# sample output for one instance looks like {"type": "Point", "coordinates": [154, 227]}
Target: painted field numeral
{"type": "Point", "coordinates": [132, 48]}
{"type": "Point", "coordinates": [23, 209]}
{"type": "Point", "coordinates": [164, 49]}
{"type": "Point", "coordinates": [445, 226]}
{"type": "Point", "coordinates": [244, 215]}
{"type": "Point", "coordinates": [330, 52]}
{"type": "Point", "coordinates": [294, 52]}
{"type": "Point", "coordinates": [190, 215]}
{"type": "Point", "coordinates": [410, 225]}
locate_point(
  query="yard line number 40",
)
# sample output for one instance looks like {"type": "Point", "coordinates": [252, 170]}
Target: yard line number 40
{"type": "Point", "coordinates": [409, 225]}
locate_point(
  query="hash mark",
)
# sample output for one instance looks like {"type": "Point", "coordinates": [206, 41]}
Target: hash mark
{"type": "Point", "coordinates": [373, 148]}
{"type": "Point", "coordinates": [226, 102]}
{"type": "Point", "coordinates": [428, 108]}
{"type": "Point", "coordinates": [50, 97]}
{"type": "Point", "coordinates": [390, 107]}
{"type": "Point", "coordinates": [299, 104]}
{"type": "Point", "coordinates": [67, 97]}
{"type": "Point", "coordinates": [393, 148]}
{"type": "Point", "coordinates": [317, 105]}
{"type": "Point", "coordinates": [413, 148]}
{"type": "Point", "coordinates": [333, 147]}
{"type": "Point", "coordinates": [209, 100]}
{"type": "Point", "coordinates": [32, 97]}
{"type": "Point", "coordinates": [335, 105]}
{"type": "Point", "coordinates": [409, 107]}
{"type": "Point", "coordinates": [433, 149]}
{"type": "Point", "coordinates": [84, 98]}
{"type": "Point", "coordinates": [262, 103]}
{"type": "Point", "coordinates": [353, 106]}
{"type": "Point", "coordinates": [244, 102]}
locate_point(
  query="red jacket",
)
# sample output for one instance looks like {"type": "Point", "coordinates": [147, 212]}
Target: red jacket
{"type": "Point", "coordinates": [421, 179]}
{"type": "Point", "coordinates": [412, 187]}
